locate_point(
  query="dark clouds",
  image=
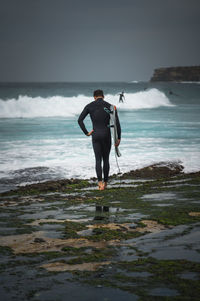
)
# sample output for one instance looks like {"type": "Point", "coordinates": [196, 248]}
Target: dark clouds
{"type": "Point", "coordinates": [83, 40]}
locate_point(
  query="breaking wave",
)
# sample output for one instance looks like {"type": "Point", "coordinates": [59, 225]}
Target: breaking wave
{"type": "Point", "coordinates": [29, 107]}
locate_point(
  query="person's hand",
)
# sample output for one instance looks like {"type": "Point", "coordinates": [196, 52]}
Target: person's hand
{"type": "Point", "coordinates": [90, 133]}
{"type": "Point", "coordinates": [118, 142]}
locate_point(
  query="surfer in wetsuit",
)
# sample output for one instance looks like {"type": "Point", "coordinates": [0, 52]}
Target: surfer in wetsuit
{"type": "Point", "coordinates": [101, 136]}
{"type": "Point", "coordinates": [121, 97]}
{"type": "Point", "coordinates": [172, 93]}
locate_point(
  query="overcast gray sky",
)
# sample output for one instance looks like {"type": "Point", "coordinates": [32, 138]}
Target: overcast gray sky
{"type": "Point", "coordinates": [96, 40]}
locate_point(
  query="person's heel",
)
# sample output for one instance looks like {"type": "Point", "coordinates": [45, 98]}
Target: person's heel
{"type": "Point", "coordinates": [100, 185]}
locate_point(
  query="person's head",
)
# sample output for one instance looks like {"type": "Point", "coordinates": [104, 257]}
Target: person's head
{"type": "Point", "coordinates": [98, 94]}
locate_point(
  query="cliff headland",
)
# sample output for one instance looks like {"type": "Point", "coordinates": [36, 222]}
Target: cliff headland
{"type": "Point", "coordinates": [177, 74]}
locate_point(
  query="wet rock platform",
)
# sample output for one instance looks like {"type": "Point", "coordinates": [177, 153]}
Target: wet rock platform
{"type": "Point", "coordinates": [137, 240]}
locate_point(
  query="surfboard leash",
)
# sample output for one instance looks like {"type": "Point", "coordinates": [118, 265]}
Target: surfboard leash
{"type": "Point", "coordinates": [119, 171]}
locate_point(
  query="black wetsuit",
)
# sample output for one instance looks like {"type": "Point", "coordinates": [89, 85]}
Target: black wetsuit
{"type": "Point", "coordinates": [121, 97]}
{"type": "Point", "coordinates": [101, 137]}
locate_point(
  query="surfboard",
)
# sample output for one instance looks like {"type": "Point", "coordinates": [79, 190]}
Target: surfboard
{"type": "Point", "coordinates": [113, 126]}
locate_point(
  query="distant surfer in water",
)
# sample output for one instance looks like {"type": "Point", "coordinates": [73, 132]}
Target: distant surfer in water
{"type": "Point", "coordinates": [172, 93]}
{"type": "Point", "coordinates": [101, 135]}
{"type": "Point", "coordinates": [121, 97]}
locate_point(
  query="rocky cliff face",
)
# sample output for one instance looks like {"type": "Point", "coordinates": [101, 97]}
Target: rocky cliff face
{"type": "Point", "coordinates": [177, 74]}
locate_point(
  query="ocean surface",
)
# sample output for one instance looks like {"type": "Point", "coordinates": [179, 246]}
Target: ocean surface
{"type": "Point", "coordinates": [40, 138]}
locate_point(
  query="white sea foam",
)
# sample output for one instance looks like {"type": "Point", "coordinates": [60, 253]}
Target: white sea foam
{"type": "Point", "coordinates": [29, 107]}
{"type": "Point", "coordinates": [68, 158]}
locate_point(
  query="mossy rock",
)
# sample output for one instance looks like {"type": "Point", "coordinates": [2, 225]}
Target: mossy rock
{"type": "Point", "coordinates": [108, 234]}
{"type": "Point", "coordinates": [71, 229]}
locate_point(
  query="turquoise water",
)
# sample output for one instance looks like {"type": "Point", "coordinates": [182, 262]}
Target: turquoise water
{"type": "Point", "coordinates": [40, 138]}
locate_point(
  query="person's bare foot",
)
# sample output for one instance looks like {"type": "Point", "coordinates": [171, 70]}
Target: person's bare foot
{"type": "Point", "coordinates": [100, 184]}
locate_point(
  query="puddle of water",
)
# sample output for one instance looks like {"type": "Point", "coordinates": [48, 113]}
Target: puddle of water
{"type": "Point", "coordinates": [53, 234]}
{"type": "Point", "coordinates": [90, 188]}
{"type": "Point", "coordinates": [52, 231]}
{"type": "Point", "coordinates": [128, 181]}
{"type": "Point", "coordinates": [114, 184]}
{"type": "Point", "coordinates": [44, 204]}
{"type": "Point", "coordinates": [9, 197]}
{"type": "Point", "coordinates": [72, 216]}
{"type": "Point", "coordinates": [164, 292]}
{"type": "Point", "coordinates": [139, 274]}
{"type": "Point", "coordinates": [122, 185]}
{"type": "Point", "coordinates": [51, 227]}
{"type": "Point", "coordinates": [181, 185]}
{"type": "Point", "coordinates": [172, 248]}
{"type": "Point", "coordinates": [99, 208]}
{"type": "Point", "coordinates": [57, 214]}
{"type": "Point", "coordinates": [4, 214]}
{"type": "Point", "coordinates": [196, 202]}
{"type": "Point", "coordinates": [85, 293]}
{"type": "Point", "coordinates": [159, 196]}
{"type": "Point", "coordinates": [173, 253]}
{"type": "Point", "coordinates": [178, 181]}
{"type": "Point", "coordinates": [87, 232]}
{"type": "Point", "coordinates": [127, 254]}
{"type": "Point", "coordinates": [81, 207]}
{"type": "Point", "coordinates": [134, 217]}
{"type": "Point", "coordinates": [189, 275]}
{"type": "Point", "coordinates": [41, 215]}
{"type": "Point", "coordinates": [192, 238]}
{"type": "Point", "coordinates": [7, 231]}
{"type": "Point", "coordinates": [152, 240]}
{"type": "Point", "coordinates": [163, 205]}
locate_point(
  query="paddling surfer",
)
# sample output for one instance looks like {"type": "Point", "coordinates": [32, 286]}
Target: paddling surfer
{"type": "Point", "coordinates": [101, 136]}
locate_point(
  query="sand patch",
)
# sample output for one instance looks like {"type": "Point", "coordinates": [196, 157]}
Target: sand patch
{"type": "Point", "coordinates": [37, 222]}
{"type": "Point", "coordinates": [19, 201]}
{"type": "Point", "coordinates": [37, 242]}
{"type": "Point", "coordinates": [194, 213]}
{"type": "Point", "coordinates": [111, 226]}
{"type": "Point", "coordinates": [151, 226]}
{"type": "Point", "coordinates": [62, 267]}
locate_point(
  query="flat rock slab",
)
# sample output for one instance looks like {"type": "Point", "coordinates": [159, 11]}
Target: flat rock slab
{"type": "Point", "coordinates": [164, 292]}
{"type": "Point", "coordinates": [172, 244]}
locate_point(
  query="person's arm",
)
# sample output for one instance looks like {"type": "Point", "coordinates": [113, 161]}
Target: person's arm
{"type": "Point", "coordinates": [81, 118]}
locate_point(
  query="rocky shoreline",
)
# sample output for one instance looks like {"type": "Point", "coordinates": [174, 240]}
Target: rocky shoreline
{"type": "Point", "coordinates": [154, 171]}
{"type": "Point", "coordinates": [137, 240]}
